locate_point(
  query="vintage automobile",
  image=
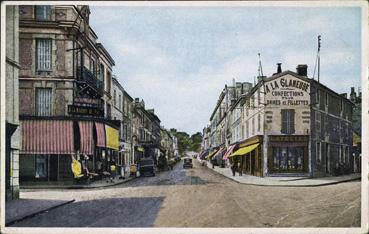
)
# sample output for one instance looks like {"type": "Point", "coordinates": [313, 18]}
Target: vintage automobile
{"type": "Point", "coordinates": [187, 163]}
{"type": "Point", "coordinates": [147, 167]}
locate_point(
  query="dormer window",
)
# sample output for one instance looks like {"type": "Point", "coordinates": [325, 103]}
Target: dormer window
{"type": "Point", "coordinates": [43, 12]}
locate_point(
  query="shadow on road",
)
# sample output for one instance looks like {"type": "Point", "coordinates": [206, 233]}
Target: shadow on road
{"type": "Point", "coordinates": [110, 212]}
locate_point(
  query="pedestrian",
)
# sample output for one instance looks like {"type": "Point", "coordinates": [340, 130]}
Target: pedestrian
{"type": "Point", "coordinates": [213, 162]}
{"type": "Point", "coordinates": [233, 168]}
{"type": "Point", "coordinates": [112, 172]}
{"type": "Point", "coordinates": [239, 168]}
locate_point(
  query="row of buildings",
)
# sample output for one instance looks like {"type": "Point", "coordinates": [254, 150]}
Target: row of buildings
{"type": "Point", "coordinates": [283, 125]}
{"type": "Point", "coordinates": [63, 101]}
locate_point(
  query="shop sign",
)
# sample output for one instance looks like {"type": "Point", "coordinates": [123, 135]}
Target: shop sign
{"type": "Point", "coordinates": [289, 138]}
{"type": "Point", "coordinates": [287, 91]}
{"type": "Point", "coordinates": [84, 110]}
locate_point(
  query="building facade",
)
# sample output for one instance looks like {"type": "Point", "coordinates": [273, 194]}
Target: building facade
{"type": "Point", "coordinates": [288, 124]}
{"type": "Point", "coordinates": [65, 94]}
{"type": "Point", "coordinates": [12, 104]}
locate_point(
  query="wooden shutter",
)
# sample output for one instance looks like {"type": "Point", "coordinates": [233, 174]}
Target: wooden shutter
{"type": "Point", "coordinates": [292, 121]}
{"type": "Point", "coordinates": [284, 121]}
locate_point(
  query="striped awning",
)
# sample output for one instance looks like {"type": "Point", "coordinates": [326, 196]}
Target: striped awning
{"type": "Point", "coordinates": [229, 151]}
{"type": "Point", "coordinates": [86, 137]}
{"type": "Point", "coordinates": [47, 137]}
{"type": "Point", "coordinates": [100, 135]}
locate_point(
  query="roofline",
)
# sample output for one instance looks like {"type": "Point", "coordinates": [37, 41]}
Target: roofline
{"type": "Point", "coordinates": [106, 53]}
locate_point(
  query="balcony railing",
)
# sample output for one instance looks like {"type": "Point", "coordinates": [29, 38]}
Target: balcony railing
{"type": "Point", "coordinates": [86, 76]}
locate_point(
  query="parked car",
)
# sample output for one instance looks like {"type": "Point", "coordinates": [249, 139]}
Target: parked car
{"type": "Point", "coordinates": [147, 167]}
{"type": "Point", "coordinates": [187, 162]}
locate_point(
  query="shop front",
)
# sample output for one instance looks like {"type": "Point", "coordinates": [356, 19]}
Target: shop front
{"type": "Point", "coordinates": [48, 146]}
{"type": "Point", "coordinates": [249, 156]}
{"type": "Point", "coordinates": [288, 154]}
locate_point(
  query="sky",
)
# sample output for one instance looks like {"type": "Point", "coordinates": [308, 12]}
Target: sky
{"type": "Point", "coordinates": [178, 59]}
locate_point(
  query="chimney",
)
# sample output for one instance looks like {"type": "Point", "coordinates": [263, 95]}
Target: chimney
{"type": "Point", "coordinates": [279, 69]}
{"type": "Point", "coordinates": [353, 94]}
{"type": "Point", "coordinates": [301, 70]}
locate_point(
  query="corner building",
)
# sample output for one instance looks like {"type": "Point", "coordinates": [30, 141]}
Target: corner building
{"type": "Point", "coordinates": [65, 83]}
{"type": "Point", "coordinates": [294, 125]}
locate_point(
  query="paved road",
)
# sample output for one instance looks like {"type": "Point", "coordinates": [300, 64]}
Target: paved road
{"type": "Point", "coordinates": [199, 197]}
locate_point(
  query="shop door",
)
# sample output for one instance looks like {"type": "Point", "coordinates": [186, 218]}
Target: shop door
{"type": "Point", "coordinates": [53, 167]}
{"type": "Point", "coordinates": [252, 162]}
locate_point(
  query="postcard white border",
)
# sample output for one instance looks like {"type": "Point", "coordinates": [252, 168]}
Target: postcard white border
{"type": "Point", "coordinates": [365, 120]}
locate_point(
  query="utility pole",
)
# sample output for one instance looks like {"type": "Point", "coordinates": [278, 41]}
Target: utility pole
{"type": "Point", "coordinates": [319, 58]}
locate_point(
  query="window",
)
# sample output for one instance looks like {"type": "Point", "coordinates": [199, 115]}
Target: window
{"type": "Point", "coordinates": [253, 126]}
{"type": "Point", "coordinates": [120, 102]}
{"type": "Point", "coordinates": [43, 54]}
{"type": "Point", "coordinates": [318, 153]}
{"type": "Point", "coordinates": [326, 99]}
{"type": "Point", "coordinates": [115, 98]}
{"type": "Point", "coordinates": [288, 121]}
{"type": "Point", "coordinates": [43, 12]}
{"type": "Point", "coordinates": [43, 101]}
{"type": "Point", "coordinates": [41, 166]}
{"type": "Point", "coordinates": [102, 72]}
{"type": "Point", "coordinates": [259, 120]}
{"type": "Point", "coordinates": [93, 67]}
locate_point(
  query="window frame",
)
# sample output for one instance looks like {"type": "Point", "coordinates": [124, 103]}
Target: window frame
{"type": "Point", "coordinates": [290, 122]}
{"type": "Point", "coordinates": [44, 9]}
{"type": "Point", "coordinates": [38, 69]}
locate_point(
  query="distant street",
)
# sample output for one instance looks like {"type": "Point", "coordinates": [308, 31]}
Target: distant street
{"type": "Point", "coordinates": [199, 197]}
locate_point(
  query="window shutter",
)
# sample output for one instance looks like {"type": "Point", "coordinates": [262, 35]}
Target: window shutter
{"type": "Point", "coordinates": [284, 121]}
{"type": "Point", "coordinates": [292, 121]}
{"type": "Point", "coordinates": [39, 12]}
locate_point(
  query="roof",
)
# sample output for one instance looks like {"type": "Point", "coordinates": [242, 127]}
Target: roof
{"type": "Point", "coordinates": [105, 52]}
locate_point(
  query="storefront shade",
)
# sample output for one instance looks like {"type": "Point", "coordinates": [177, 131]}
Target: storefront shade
{"type": "Point", "coordinates": [100, 135]}
{"type": "Point", "coordinates": [229, 152]}
{"type": "Point", "coordinates": [112, 138]}
{"type": "Point", "coordinates": [219, 152]}
{"type": "Point", "coordinates": [212, 154]}
{"type": "Point", "coordinates": [86, 137]}
{"type": "Point", "coordinates": [47, 137]}
{"type": "Point", "coordinates": [244, 150]}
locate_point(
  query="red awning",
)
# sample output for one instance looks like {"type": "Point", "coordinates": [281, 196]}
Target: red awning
{"type": "Point", "coordinates": [229, 151]}
{"type": "Point", "coordinates": [86, 137]}
{"type": "Point", "coordinates": [100, 133]}
{"type": "Point", "coordinates": [47, 137]}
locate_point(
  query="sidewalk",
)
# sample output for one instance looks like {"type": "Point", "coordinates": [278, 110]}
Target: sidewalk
{"type": "Point", "coordinates": [70, 185]}
{"type": "Point", "coordinates": [17, 210]}
{"type": "Point", "coordinates": [284, 181]}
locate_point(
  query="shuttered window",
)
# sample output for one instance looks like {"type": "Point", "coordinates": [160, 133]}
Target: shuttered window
{"type": "Point", "coordinates": [43, 101]}
{"type": "Point", "coordinates": [288, 121]}
{"type": "Point", "coordinates": [43, 12]}
{"type": "Point", "coordinates": [43, 54]}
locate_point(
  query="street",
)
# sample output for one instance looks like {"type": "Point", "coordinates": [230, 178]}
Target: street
{"type": "Point", "coordinates": [199, 197]}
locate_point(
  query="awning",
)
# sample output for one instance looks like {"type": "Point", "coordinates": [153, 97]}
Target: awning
{"type": "Point", "coordinates": [229, 152]}
{"type": "Point", "coordinates": [47, 137]}
{"type": "Point", "coordinates": [218, 152]}
{"type": "Point", "coordinates": [244, 150]}
{"type": "Point", "coordinates": [86, 137]}
{"type": "Point", "coordinates": [100, 135]}
{"type": "Point", "coordinates": [212, 154]}
{"type": "Point", "coordinates": [112, 138]}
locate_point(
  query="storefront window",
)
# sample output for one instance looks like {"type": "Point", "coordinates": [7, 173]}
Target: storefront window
{"type": "Point", "coordinates": [41, 167]}
{"type": "Point", "coordinates": [287, 159]}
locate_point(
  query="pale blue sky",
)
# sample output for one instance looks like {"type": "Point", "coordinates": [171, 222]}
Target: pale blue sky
{"type": "Point", "coordinates": [178, 59]}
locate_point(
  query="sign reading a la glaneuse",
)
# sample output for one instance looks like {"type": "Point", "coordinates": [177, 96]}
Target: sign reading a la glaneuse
{"type": "Point", "coordinates": [287, 91]}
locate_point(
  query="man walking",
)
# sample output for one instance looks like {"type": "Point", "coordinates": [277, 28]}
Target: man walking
{"type": "Point", "coordinates": [233, 168]}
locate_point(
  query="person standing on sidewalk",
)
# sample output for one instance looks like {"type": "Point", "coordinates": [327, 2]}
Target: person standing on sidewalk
{"type": "Point", "coordinates": [239, 167]}
{"type": "Point", "coordinates": [233, 168]}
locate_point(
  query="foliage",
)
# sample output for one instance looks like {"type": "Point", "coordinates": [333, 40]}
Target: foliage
{"type": "Point", "coordinates": [187, 142]}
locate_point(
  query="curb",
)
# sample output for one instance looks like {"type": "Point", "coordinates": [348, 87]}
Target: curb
{"type": "Point", "coordinates": [287, 185]}
{"type": "Point", "coordinates": [78, 186]}
{"type": "Point", "coordinates": [37, 213]}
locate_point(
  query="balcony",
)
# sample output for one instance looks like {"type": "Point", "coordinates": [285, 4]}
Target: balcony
{"type": "Point", "coordinates": [90, 81]}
